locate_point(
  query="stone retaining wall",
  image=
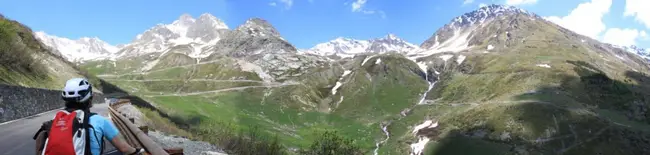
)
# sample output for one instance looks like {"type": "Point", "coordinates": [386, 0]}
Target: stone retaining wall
{"type": "Point", "coordinates": [18, 102]}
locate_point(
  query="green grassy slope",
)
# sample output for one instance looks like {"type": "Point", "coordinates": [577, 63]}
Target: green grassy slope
{"type": "Point", "coordinates": [540, 91]}
{"type": "Point", "coordinates": [587, 102]}
{"type": "Point", "coordinates": [25, 61]}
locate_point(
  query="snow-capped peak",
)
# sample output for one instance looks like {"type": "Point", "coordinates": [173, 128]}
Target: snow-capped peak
{"type": "Point", "coordinates": [80, 50]}
{"type": "Point", "coordinates": [486, 12]}
{"type": "Point", "coordinates": [644, 53]}
{"type": "Point", "coordinates": [392, 37]}
{"type": "Point", "coordinates": [214, 21]}
{"type": "Point", "coordinates": [182, 25]}
{"type": "Point", "coordinates": [346, 47]}
{"type": "Point", "coordinates": [186, 30]}
{"type": "Point", "coordinates": [259, 27]}
{"type": "Point", "coordinates": [391, 43]}
{"type": "Point", "coordinates": [340, 46]}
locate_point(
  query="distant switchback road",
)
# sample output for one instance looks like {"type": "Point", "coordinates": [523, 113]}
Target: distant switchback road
{"type": "Point", "coordinates": [16, 136]}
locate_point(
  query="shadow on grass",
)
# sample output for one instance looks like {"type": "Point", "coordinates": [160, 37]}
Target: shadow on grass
{"type": "Point", "coordinates": [114, 91]}
{"type": "Point", "coordinates": [576, 117]}
{"type": "Point", "coordinates": [249, 141]}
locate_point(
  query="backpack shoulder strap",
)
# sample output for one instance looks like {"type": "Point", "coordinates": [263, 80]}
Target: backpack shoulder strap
{"type": "Point", "coordinates": [86, 127]}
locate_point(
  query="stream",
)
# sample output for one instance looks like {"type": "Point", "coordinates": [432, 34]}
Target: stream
{"type": "Point", "coordinates": [416, 148]}
{"type": "Point", "coordinates": [385, 129]}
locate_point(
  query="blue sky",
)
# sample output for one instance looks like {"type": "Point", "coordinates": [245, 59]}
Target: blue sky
{"type": "Point", "coordinates": [308, 22]}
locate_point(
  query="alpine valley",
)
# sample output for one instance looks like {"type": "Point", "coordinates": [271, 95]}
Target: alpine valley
{"type": "Point", "coordinates": [497, 80]}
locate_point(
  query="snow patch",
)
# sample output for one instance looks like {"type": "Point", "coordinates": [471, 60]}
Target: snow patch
{"type": "Point", "coordinates": [346, 73]}
{"type": "Point", "coordinates": [426, 125]}
{"type": "Point", "coordinates": [338, 83]}
{"type": "Point", "coordinates": [490, 47]}
{"type": "Point", "coordinates": [456, 43]}
{"type": "Point", "coordinates": [582, 40]}
{"type": "Point", "coordinates": [378, 61]}
{"type": "Point", "coordinates": [183, 40]}
{"type": "Point", "coordinates": [544, 65]}
{"type": "Point", "coordinates": [250, 67]}
{"type": "Point", "coordinates": [437, 42]}
{"type": "Point", "coordinates": [417, 148]}
{"type": "Point", "coordinates": [445, 57]}
{"type": "Point", "coordinates": [149, 65]}
{"type": "Point", "coordinates": [460, 59]}
{"type": "Point", "coordinates": [366, 59]}
{"type": "Point", "coordinates": [423, 66]}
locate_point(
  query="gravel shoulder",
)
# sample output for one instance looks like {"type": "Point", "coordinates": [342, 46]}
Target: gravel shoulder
{"type": "Point", "coordinates": [171, 141]}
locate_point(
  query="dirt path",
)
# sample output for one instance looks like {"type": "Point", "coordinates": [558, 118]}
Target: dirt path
{"type": "Point", "coordinates": [158, 70]}
{"type": "Point", "coordinates": [191, 80]}
{"type": "Point", "coordinates": [224, 90]}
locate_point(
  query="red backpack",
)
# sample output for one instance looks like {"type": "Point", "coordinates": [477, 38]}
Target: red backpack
{"type": "Point", "coordinates": [68, 134]}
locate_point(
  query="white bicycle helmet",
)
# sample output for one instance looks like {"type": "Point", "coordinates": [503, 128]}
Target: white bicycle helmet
{"type": "Point", "coordinates": [77, 90]}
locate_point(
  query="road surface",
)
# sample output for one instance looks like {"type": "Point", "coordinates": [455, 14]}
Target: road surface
{"type": "Point", "coordinates": [16, 136]}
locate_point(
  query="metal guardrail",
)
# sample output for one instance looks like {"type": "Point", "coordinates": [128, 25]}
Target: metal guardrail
{"type": "Point", "coordinates": [134, 135]}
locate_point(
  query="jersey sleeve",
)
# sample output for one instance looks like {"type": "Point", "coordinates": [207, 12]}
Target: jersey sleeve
{"type": "Point", "coordinates": [110, 131]}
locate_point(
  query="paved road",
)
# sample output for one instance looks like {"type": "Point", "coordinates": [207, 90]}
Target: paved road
{"type": "Point", "coordinates": [16, 137]}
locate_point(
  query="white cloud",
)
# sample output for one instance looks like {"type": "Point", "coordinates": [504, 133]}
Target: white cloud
{"type": "Point", "coordinates": [356, 6]}
{"type": "Point", "coordinates": [287, 3]}
{"type": "Point", "coordinates": [273, 4]}
{"type": "Point", "coordinates": [623, 37]}
{"type": "Point", "coordinates": [640, 9]}
{"type": "Point", "coordinates": [586, 19]}
{"type": "Point", "coordinates": [482, 5]}
{"type": "Point", "coordinates": [468, 2]}
{"type": "Point", "coordinates": [520, 2]}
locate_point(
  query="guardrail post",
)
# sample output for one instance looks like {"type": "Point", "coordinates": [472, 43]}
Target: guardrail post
{"type": "Point", "coordinates": [174, 151]}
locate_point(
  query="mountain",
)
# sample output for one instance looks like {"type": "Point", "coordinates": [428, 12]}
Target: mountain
{"type": "Point", "coordinates": [344, 47]}
{"type": "Point", "coordinates": [196, 33]}
{"type": "Point", "coordinates": [79, 50]}
{"type": "Point", "coordinates": [26, 61]}
{"type": "Point", "coordinates": [465, 31]}
{"type": "Point", "coordinates": [644, 53]}
{"type": "Point", "coordinates": [497, 80]}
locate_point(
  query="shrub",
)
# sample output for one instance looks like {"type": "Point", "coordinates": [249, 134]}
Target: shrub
{"type": "Point", "coordinates": [330, 143]}
{"type": "Point", "coordinates": [14, 53]}
{"type": "Point", "coordinates": [249, 141]}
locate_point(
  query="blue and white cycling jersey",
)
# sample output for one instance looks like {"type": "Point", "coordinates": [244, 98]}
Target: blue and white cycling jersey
{"type": "Point", "coordinates": [103, 128]}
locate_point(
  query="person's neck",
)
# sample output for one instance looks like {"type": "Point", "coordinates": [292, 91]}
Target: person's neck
{"type": "Point", "coordinates": [73, 109]}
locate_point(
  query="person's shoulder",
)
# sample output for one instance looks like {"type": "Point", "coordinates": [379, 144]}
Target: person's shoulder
{"type": "Point", "coordinates": [97, 117]}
